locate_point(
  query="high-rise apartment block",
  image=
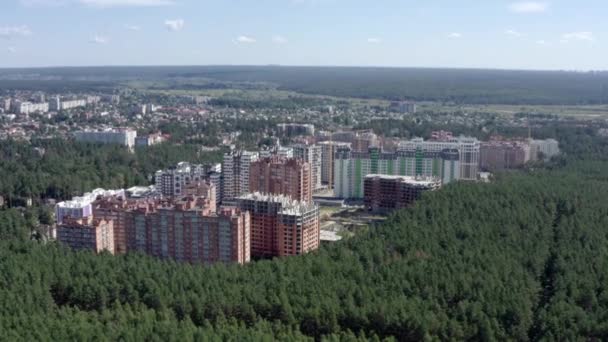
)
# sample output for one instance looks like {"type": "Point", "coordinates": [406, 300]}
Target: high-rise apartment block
{"type": "Point", "coordinates": [421, 161]}
{"type": "Point", "coordinates": [180, 228]}
{"type": "Point", "coordinates": [184, 230]}
{"type": "Point", "coordinates": [125, 137]}
{"type": "Point", "coordinates": [281, 226]}
{"type": "Point", "coordinates": [363, 141]}
{"type": "Point", "coordinates": [312, 155]}
{"type": "Point", "coordinates": [385, 193]}
{"type": "Point", "coordinates": [328, 152]}
{"type": "Point", "coordinates": [467, 147]}
{"type": "Point", "coordinates": [87, 233]}
{"type": "Point", "coordinates": [116, 210]}
{"type": "Point", "coordinates": [235, 173]}
{"type": "Point", "coordinates": [282, 176]}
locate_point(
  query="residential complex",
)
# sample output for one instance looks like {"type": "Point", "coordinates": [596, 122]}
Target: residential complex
{"type": "Point", "coordinates": [184, 230]}
{"type": "Point", "coordinates": [281, 226]}
{"type": "Point", "coordinates": [351, 168]}
{"type": "Point", "coordinates": [385, 193]}
{"type": "Point", "coordinates": [180, 228]}
{"type": "Point", "coordinates": [282, 176]}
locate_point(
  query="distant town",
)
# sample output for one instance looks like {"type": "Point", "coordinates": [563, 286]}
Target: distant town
{"type": "Point", "coordinates": [272, 201]}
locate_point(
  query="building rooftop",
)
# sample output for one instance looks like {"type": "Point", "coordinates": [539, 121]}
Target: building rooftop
{"type": "Point", "coordinates": [407, 179]}
{"type": "Point", "coordinates": [288, 205]}
{"type": "Point", "coordinates": [90, 197]}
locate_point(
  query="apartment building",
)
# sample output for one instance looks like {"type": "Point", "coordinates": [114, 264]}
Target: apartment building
{"type": "Point", "coordinates": [312, 155]}
{"type": "Point", "coordinates": [351, 168]}
{"type": "Point", "coordinates": [496, 156]}
{"type": "Point", "coordinates": [235, 173]}
{"type": "Point", "coordinates": [125, 137]}
{"type": "Point", "coordinates": [282, 176]}
{"type": "Point", "coordinates": [384, 193]}
{"type": "Point", "coordinates": [87, 233]}
{"type": "Point", "coordinates": [328, 152]}
{"type": "Point", "coordinates": [173, 181]}
{"type": "Point", "coordinates": [281, 226]}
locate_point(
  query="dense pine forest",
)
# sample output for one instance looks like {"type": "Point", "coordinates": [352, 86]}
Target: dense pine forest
{"type": "Point", "coordinates": [522, 258]}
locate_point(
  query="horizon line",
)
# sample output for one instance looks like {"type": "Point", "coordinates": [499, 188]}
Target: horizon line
{"type": "Point", "coordinates": [300, 66]}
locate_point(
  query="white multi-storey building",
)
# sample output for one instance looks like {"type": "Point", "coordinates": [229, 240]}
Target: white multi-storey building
{"type": "Point", "coordinates": [312, 155]}
{"type": "Point", "coordinates": [235, 173]}
{"type": "Point", "coordinates": [80, 207]}
{"type": "Point", "coordinates": [173, 181]}
{"type": "Point", "coordinates": [30, 107]}
{"type": "Point", "coordinates": [543, 148]}
{"type": "Point", "coordinates": [328, 151]}
{"type": "Point", "coordinates": [124, 137]}
{"type": "Point", "coordinates": [468, 149]}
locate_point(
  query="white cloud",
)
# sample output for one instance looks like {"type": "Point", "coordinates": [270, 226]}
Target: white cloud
{"type": "Point", "coordinates": [98, 39]}
{"type": "Point", "coordinates": [133, 27]}
{"type": "Point", "coordinates": [374, 40]}
{"type": "Point", "coordinates": [14, 31]}
{"type": "Point", "coordinates": [455, 35]}
{"type": "Point", "coordinates": [581, 36]}
{"type": "Point", "coordinates": [277, 39]}
{"type": "Point", "coordinates": [245, 39]}
{"type": "Point", "coordinates": [126, 3]}
{"type": "Point", "coordinates": [542, 42]}
{"type": "Point", "coordinates": [528, 7]}
{"type": "Point", "coordinates": [514, 33]}
{"type": "Point", "coordinates": [174, 24]}
{"type": "Point", "coordinates": [11, 49]}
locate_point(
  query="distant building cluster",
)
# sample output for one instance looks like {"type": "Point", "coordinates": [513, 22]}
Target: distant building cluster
{"type": "Point", "coordinates": [446, 161]}
{"type": "Point", "coordinates": [199, 214]}
{"type": "Point", "coordinates": [259, 204]}
{"type": "Point", "coordinates": [499, 154]}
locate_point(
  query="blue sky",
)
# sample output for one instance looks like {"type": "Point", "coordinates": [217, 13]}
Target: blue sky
{"type": "Point", "coordinates": [556, 34]}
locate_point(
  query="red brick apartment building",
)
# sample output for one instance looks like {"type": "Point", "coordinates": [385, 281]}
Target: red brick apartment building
{"type": "Point", "coordinates": [276, 175]}
{"type": "Point", "coordinates": [87, 233]}
{"type": "Point", "coordinates": [281, 226]}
